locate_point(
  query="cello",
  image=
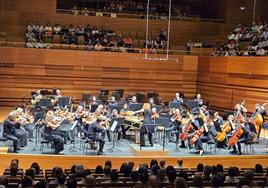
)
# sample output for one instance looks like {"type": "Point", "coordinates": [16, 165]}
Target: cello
{"type": "Point", "coordinates": [200, 132]}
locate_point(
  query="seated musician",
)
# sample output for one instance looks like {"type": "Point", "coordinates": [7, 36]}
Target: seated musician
{"type": "Point", "coordinates": [199, 99]}
{"type": "Point", "coordinates": [133, 101]}
{"type": "Point", "coordinates": [148, 125]}
{"type": "Point", "coordinates": [79, 115]}
{"type": "Point", "coordinates": [36, 97]}
{"type": "Point", "coordinates": [178, 98]}
{"type": "Point", "coordinates": [26, 121]}
{"type": "Point", "coordinates": [175, 124]}
{"type": "Point", "coordinates": [96, 133]}
{"type": "Point", "coordinates": [13, 132]}
{"type": "Point", "coordinates": [51, 133]}
{"type": "Point", "coordinates": [218, 122]}
{"type": "Point", "coordinates": [113, 101]}
{"type": "Point", "coordinates": [101, 115]}
{"type": "Point", "coordinates": [56, 97]}
{"type": "Point", "coordinates": [208, 135]}
{"type": "Point", "coordinates": [240, 109]}
{"type": "Point", "coordinates": [257, 117]}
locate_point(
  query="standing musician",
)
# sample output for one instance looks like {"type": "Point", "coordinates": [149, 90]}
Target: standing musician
{"type": "Point", "coordinates": [240, 110]}
{"type": "Point", "coordinates": [178, 98]}
{"type": "Point", "coordinates": [51, 133]}
{"type": "Point", "coordinates": [96, 133]}
{"type": "Point", "coordinates": [79, 115]}
{"type": "Point", "coordinates": [13, 132]}
{"type": "Point", "coordinates": [119, 130]}
{"type": "Point", "coordinates": [148, 124]}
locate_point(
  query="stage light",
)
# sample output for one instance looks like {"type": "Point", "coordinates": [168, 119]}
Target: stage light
{"type": "Point", "coordinates": [242, 8]}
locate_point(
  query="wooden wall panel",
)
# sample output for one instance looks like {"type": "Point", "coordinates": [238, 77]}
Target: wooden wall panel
{"type": "Point", "coordinates": [229, 80]}
{"type": "Point", "coordinates": [77, 72]}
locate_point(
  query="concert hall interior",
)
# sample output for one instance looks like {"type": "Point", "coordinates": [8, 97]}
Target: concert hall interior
{"type": "Point", "coordinates": [133, 93]}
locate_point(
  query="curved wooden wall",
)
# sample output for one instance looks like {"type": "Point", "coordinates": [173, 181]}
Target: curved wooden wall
{"type": "Point", "coordinates": [225, 81]}
{"type": "Point", "coordinates": [77, 72]}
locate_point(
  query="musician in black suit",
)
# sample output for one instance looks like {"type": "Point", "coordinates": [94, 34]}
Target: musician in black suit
{"type": "Point", "coordinates": [53, 134]}
{"type": "Point", "coordinates": [96, 133]}
{"type": "Point", "coordinates": [13, 132]}
{"type": "Point", "coordinates": [207, 136]}
{"type": "Point", "coordinates": [178, 98]}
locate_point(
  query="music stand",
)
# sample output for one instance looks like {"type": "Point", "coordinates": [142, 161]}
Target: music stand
{"type": "Point", "coordinates": [135, 106]}
{"type": "Point", "coordinates": [158, 108]}
{"type": "Point", "coordinates": [192, 104]}
{"type": "Point", "coordinates": [120, 91]}
{"type": "Point", "coordinates": [162, 121]}
{"type": "Point", "coordinates": [37, 118]}
{"type": "Point", "coordinates": [45, 103]}
{"type": "Point", "coordinates": [115, 123]}
{"type": "Point", "coordinates": [44, 92]}
{"type": "Point", "coordinates": [118, 107]}
{"type": "Point", "coordinates": [64, 101]}
{"type": "Point", "coordinates": [176, 105]}
{"type": "Point", "coordinates": [73, 141]}
{"type": "Point", "coordinates": [93, 108]}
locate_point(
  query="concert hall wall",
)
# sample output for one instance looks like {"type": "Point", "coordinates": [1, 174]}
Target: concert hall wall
{"type": "Point", "coordinates": [16, 14]}
{"type": "Point", "coordinates": [223, 81]}
{"type": "Point", "coordinates": [76, 72]}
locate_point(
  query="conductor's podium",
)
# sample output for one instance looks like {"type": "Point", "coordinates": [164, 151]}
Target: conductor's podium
{"type": "Point", "coordinates": [156, 150]}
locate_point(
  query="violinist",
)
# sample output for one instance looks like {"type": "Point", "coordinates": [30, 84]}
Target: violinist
{"type": "Point", "coordinates": [79, 115]}
{"type": "Point", "coordinates": [240, 111]}
{"type": "Point", "coordinates": [96, 133]}
{"type": "Point", "coordinates": [133, 101]}
{"type": "Point", "coordinates": [174, 126]}
{"type": "Point", "coordinates": [13, 132]}
{"type": "Point", "coordinates": [36, 97]}
{"type": "Point", "coordinates": [199, 99]}
{"type": "Point", "coordinates": [51, 133]}
{"type": "Point", "coordinates": [178, 98]}
{"type": "Point", "coordinates": [26, 121]}
{"type": "Point", "coordinates": [119, 130]}
{"type": "Point", "coordinates": [112, 101]}
{"type": "Point", "coordinates": [56, 97]}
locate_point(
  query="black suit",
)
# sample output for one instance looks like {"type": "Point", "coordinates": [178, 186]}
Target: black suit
{"type": "Point", "coordinates": [96, 133]}
{"type": "Point", "coordinates": [13, 132]}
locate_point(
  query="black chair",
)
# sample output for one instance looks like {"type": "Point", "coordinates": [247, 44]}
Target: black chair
{"type": "Point", "coordinates": [44, 140]}
{"type": "Point", "coordinates": [88, 143]}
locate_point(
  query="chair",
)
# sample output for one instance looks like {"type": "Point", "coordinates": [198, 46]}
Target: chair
{"type": "Point", "coordinates": [87, 145]}
{"type": "Point", "coordinates": [248, 148]}
{"type": "Point", "coordinates": [45, 141]}
{"type": "Point", "coordinates": [5, 140]}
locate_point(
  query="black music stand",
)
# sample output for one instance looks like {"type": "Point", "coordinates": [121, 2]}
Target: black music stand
{"type": "Point", "coordinates": [135, 106]}
{"type": "Point", "coordinates": [45, 103]}
{"type": "Point", "coordinates": [64, 101]}
{"type": "Point", "coordinates": [118, 107]}
{"type": "Point", "coordinates": [37, 118]}
{"type": "Point", "coordinates": [73, 148]}
{"type": "Point", "coordinates": [162, 121]}
{"type": "Point", "coordinates": [94, 107]}
{"type": "Point", "coordinates": [176, 105]}
{"type": "Point", "coordinates": [192, 104]}
{"type": "Point", "coordinates": [115, 124]}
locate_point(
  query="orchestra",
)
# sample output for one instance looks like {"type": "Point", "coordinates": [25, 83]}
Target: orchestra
{"type": "Point", "coordinates": [191, 127]}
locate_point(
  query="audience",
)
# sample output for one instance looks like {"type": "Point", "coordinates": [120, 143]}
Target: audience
{"type": "Point", "coordinates": [154, 177]}
{"type": "Point", "coordinates": [38, 36]}
{"type": "Point", "coordinates": [255, 35]}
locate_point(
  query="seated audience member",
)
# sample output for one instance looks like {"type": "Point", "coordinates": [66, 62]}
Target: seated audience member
{"type": "Point", "coordinates": [61, 181]}
{"type": "Point", "coordinates": [3, 181]}
{"type": "Point", "coordinates": [71, 182]}
{"type": "Point", "coordinates": [26, 182]}
{"type": "Point", "coordinates": [99, 169]}
{"type": "Point", "coordinates": [31, 173]}
{"type": "Point", "coordinates": [153, 181]}
{"type": "Point", "coordinates": [197, 181]}
{"type": "Point", "coordinates": [179, 164]}
{"type": "Point", "coordinates": [248, 175]}
{"type": "Point", "coordinates": [162, 164]}
{"type": "Point", "coordinates": [207, 173]}
{"type": "Point", "coordinates": [114, 178]}
{"type": "Point", "coordinates": [231, 176]}
{"type": "Point", "coordinates": [199, 168]}
{"type": "Point", "coordinates": [108, 163]}
{"type": "Point", "coordinates": [41, 184]}
{"type": "Point", "coordinates": [79, 170]}
{"type": "Point", "coordinates": [90, 181]}
{"type": "Point", "coordinates": [183, 174]}
{"type": "Point", "coordinates": [258, 168]}
{"type": "Point", "coordinates": [180, 183]}
{"type": "Point", "coordinates": [36, 167]}
{"type": "Point", "coordinates": [56, 29]}
{"type": "Point", "coordinates": [107, 172]}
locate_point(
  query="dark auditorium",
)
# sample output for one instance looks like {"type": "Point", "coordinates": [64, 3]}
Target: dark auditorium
{"type": "Point", "coordinates": [133, 93]}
